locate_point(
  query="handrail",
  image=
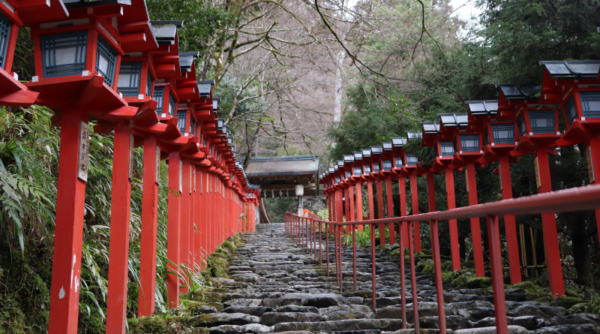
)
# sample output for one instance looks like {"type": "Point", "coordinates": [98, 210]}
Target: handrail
{"type": "Point", "coordinates": [567, 200]}
{"type": "Point", "coordinates": [302, 230]}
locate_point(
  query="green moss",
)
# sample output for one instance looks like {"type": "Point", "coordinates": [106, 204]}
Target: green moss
{"type": "Point", "coordinates": [428, 266]}
{"type": "Point", "coordinates": [229, 245]}
{"type": "Point", "coordinates": [148, 325]}
{"type": "Point", "coordinates": [479, 282]}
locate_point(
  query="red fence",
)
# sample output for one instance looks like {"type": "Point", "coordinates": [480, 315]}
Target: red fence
{"type": "Point", "coordinates": [303, 230]}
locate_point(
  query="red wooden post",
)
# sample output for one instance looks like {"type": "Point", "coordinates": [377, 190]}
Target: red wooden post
{"type": "Point", "coordinates": [198, 231]}
{"type": "Point", "coordinates": [452, 223]}
{"type": "Point", "coordinates": [512, 242]}
{"type": "Point", "coordinates": [414, 192]}
{"type": "Point", "coordinates": [401, 236]}
{"type": "Point", "coordinates": [347, 207]}
{"type": "Point", "coordinates": [373, 267]}
{"type": "Point", "coordinates": [439, 283]}
{"type": "Point", "coordinates": [351, 216]}
{"type": "Point", "coordinates": [497, 275]}
{"type": "Point", "coordinates": [403, 211]}
{"type": "Point", "coordinates": [413, 274]}
{"type": "Point", "coordinates": [147, 287]}
{"type": "Point", "coordinates": [370, 192]}
{"type": "Point", "coordinates": [359, 205]}
{"type": "Point", "coordinates": [185, 220]}
{"type": "Point", "coordinates": [431, 192]}
{"type": "Point", "coordinates": [552, 254]}
{"type": "Point", "coordinates": [118, 267]}
{"type": "Point", "coordinates": [380, 212]}
{"type": "Point", "coordinates": [475, 226]}
{"type": "Point", "coordinates": [173, 230]}
{"type": "Point", "coordinates": [594, 147]}
{"type": "Point", "coordinates": [68, 235]}
{"type": "Point", "coordinates": [390, 208]}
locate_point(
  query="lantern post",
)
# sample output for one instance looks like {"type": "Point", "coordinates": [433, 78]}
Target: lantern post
{"type": "Point", "coordinates": [411, 163]}
{"type": "Point", "coordinates": [538, 131]}
{"type": "Point", "coordinates": [496, 120]}
{"type": "Point", "coordinates": [376, 159]}
{"type": "Point", "coordinates": [467, 150]}
{"type": "Point", "coordinates": [358, 179]}
{"type": "Point", "coordinates": [386, 172]}
{"type": "Point", "coordinates": [573, 85]}
{"type": "Point", "coordinates": [440, 138]}
{"type": "Point", "coordinates": [399, 173]}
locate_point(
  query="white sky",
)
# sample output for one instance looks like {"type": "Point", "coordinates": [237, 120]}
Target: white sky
{"type": "Point", "coordinates": [465, 9]}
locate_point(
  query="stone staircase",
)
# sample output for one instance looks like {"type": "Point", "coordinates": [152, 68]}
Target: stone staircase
{"type": "Point", "coordinates": [279, 287]}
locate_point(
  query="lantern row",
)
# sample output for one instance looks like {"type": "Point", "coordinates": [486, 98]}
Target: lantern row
{"type": "Point", "coordinates": [524, 120]}
{"type": "Point", "coordinates": [105, 60]}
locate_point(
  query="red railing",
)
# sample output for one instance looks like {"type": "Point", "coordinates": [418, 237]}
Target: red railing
{"type": "Point", "coordinates": [303, 231]}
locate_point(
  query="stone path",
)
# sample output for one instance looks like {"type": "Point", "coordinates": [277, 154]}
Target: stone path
{"type": "Point", "coordinates": [278, 287]}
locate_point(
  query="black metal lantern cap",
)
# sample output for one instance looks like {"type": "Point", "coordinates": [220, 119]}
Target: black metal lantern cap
{"type": "Point", "coordinates": [71, 4]}
{"type": "Point", "coordinates": [348, 158]}
{"type": "Point", "coordinates": [431, 127]}
{"type": "Point", "coordinates": [454, 120]}
{"type": "Point", "coordinates": [366, 153]}
{"type": "Point", "coordinates": [398, 142]}
{"type": "Point", "coordinates": [204, 88]}
{"type": "Point", "coordinates": [165, 31]}
{"type": "Point", "coordinates": [387, 146]}
{"type": "Point", "coordinates": [376, 150]}
{"type": "Point", "coordinates": [483, 107]}
{"type": "Point", "coordinates": [357, 156]}
{"type": "Point", "coordinates": [572, 69]}
{"type": "Point", "coordinates": [186, 59]}
{"type": "Point", "coordinates": [519, 92]}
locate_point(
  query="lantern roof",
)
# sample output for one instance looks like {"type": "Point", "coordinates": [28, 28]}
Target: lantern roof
{"type": "Point", "coordinates": [186, 59]}
{"type": "Point", "coordinates": [387, 146]}
{"type": "Point", "coordinates": [331, 170]}
{"type": "Point", "coordinates": [70, 4]}
{"type": "Point", "coordinates": [483, 107]}
{"type": "Point", "coordinates": [366, 152]}
{"type": "Point", "coordinates": [28, 13]}
{"type": "Point", "coordinates": [454, 120]}
{"type": "Point", "coordinates": [519, 92]}
{"type": "Point", "coordinates": [358, 156]}
{"type": "Point", "coordinates": [165, 31]}
{"type": "Point", "coordinates": [572, 69]}
{"type": "Point", "coordinates": [376, 150]}
{"type": "Point", "coordinates": [340, 163]}
{"type": "Point", "coordinates": [204, 88]}
{"type": "Point", "coordinates": [348, 158]}
{"type": "Point", "coordinates": [399, 142]}
{"type": "Point", "coordinates": [431, 127]}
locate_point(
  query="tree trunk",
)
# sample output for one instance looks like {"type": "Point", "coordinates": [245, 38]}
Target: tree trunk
{"type": "Point", "coordinates": [580, 249]}
{"type": "Point", "coordinates": [337, 109]}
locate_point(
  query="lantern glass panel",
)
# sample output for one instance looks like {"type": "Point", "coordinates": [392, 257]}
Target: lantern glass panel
{"type": "Point", "coordinates": [542, 121]}
{"type": "Point", "coordinates": [411, 159]}
{"type": "Point", "coordinates": [181, 120]}
{"type": "Point", "coordinates": [522, 126]}
{"type": "Point", "coordinates": [469, 143]}
{"type": "Point", "coordinates": [64, 54]}
{"type": "Point", "coordinates": [503, 133]}
{"type": "Point", "coordinates": [5, 26]}
{"type": "Point", "coordinates": [571, 109]}
{"type": "Point", "coordinates": [348, 174]}
{"type": "Point", "coordinates": [337, 179]}
{"type": "Point", "coordinates": [357, 171]}
{"type": "Point", "coordinates": [172, 105]}
{"type": "Point", "coordinates": [192, 125]}
{"type": "Point", "coordinates": [398, 162]}
{"type": "Point", "coordinates": [376, 167]}
{"type": "Point", "coordinates": [387, 164]}
{"type": "Point", "coordinates": [159, 93]}
{"type": "Point", "coordinates": [447, 149]}
{"type": "Point", "coordinates": [590, 104]}
{"type": "Point", "coordinates": [130, 75]}
{"type": "Point", "coordinates": [106, 61]}
{"type": "Point", "coordinates": [149, 83]}
{"type": "Point", "coordinates": [367, 169]}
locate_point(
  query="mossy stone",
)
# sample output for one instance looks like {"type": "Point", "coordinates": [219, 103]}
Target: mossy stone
{"type": "Point", "coordinates": [479, 282]}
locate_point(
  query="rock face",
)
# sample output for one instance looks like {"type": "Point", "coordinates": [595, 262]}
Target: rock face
{"type": "Point", "coordinates": [277, 286]}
